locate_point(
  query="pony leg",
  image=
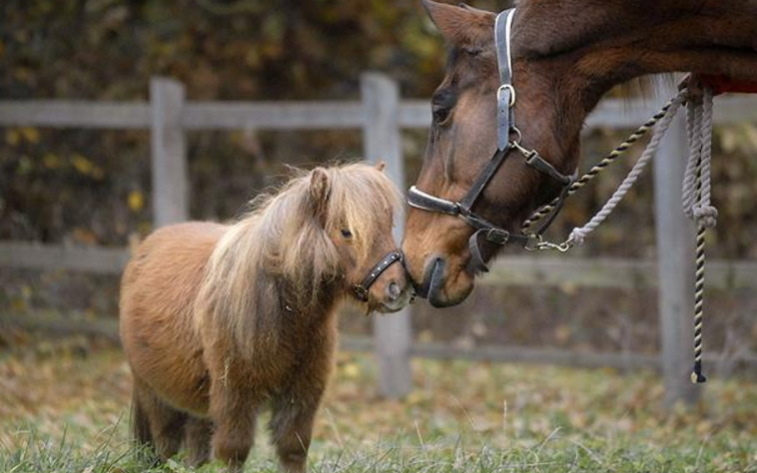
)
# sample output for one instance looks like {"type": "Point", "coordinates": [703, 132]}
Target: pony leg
{"type": "Point", "coordinates": [234, 413]}
{"type": "Point", "coordinates": [166, 424]}
{"type": "Point", "coordinates": [294, 410]}
{"type": "Point", "coordinates": [197, 435]}
{"type": "Point", "coordinates": [291, 430]}
{"type": "Point", "coordinates": [140, 423]}
{"type": "Point", "coordinates": [140, 427]}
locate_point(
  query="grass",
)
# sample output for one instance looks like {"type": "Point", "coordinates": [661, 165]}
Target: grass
{"type": "Point", "coordinates": [65, 410]}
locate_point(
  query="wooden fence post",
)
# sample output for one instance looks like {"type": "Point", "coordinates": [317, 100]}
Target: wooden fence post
{"type": "Point", "coordinates": [170, 203]}
{"type": "Point", "coordinates": [381, 134]}
{"type": "Point", "coordinates": [675, 254]}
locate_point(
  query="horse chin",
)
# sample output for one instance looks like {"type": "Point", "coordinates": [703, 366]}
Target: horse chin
{"type": "Point", "coordinates": [384, 309]}
{"type": "Point", "coordinates": [405, 298]}
{"type": "Point", "coordinates": [439, 295]}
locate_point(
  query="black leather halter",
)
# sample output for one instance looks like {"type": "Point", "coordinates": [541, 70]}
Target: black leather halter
{"type": "Point", "coordinates": [505, 146]}
{"type": "Point", "coordinates": [361, 290]}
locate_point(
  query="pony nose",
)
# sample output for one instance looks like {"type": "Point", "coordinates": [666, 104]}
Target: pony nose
{"type": "Point", "coordinates": [393, 291]}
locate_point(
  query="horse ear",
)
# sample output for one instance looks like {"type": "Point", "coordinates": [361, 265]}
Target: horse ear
{"type": "Point", "coordinates": [320, 189]}
{"type": "Point", "coordinates": [461, 25]}
{"type": "Point", "coordinates": [381, 165]}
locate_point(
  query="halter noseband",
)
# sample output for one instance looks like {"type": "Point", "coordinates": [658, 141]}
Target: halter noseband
{"type": "Point", "coordinates": [361, 290]}
{"type": "Point", "coordinates": [505, 127]}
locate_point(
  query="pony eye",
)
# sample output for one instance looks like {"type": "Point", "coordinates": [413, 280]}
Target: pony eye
{"type": "Point", "coordinates": [440, 113]}
{"type": "Point", "coordinates": [346, 233]}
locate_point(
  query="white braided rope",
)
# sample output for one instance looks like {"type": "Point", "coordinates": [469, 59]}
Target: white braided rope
{"type": "Point", "coordinates": [697, 183]}
{"type": "Point", "coordinates": [694, 131]}
{"type": "Point", "coordinates": [578, 235]}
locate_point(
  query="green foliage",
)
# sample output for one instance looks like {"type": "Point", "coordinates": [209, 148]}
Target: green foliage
{"type": "Point", "coordinates": [265, 49]}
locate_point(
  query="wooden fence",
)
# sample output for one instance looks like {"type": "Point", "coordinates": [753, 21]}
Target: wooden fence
{"type": "Point", "coordinates": [382, 115]}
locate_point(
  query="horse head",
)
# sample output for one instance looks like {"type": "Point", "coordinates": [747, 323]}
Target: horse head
{"type": "Point", "coordinates": [566, 54]}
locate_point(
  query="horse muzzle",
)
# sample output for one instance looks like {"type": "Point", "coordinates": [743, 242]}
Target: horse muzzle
{"type": "Point", "coordinates": [442, 286]}
{"type": "Point", "coordinates": [396, 298]}
{"type": "Point", "coordinates": [432, 286]}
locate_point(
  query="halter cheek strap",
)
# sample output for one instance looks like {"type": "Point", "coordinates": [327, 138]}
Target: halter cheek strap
{"type": "Point", "coordinates": [506, 92]}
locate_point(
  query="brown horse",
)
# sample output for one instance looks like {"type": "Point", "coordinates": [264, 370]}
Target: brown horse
{"type": "Point", "coordinates": [218, 321]}
{"type": "Point", "coordinates": [566, 54]}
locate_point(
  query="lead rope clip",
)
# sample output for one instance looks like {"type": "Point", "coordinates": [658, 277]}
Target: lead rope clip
{"type": "Point", "coordinates": [537, 243]}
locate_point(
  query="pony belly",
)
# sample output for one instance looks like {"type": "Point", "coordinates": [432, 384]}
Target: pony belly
{"type": "Point", "coordinates": [183, 384]}
{"type": "Point", "coordinates": [156, 313]}
{"type": "Point", "coordinates": [190, 397]}
{"type": "Point", "coordinates": [163, 353]}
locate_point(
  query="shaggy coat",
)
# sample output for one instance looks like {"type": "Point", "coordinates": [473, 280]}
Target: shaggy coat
{"type": "Point", "coordinates": [218, 321]}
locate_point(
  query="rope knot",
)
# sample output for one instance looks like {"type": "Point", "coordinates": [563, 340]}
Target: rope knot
{"type": "Point", "coordinates": [577, 236]}
{"type": "Point", "coordinates": [706, 215]}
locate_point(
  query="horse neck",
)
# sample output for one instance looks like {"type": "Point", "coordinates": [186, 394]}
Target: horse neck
{"type": "Point", "coordinates": [619, 40]}
{"type": "Point", "coordinates": [575, 51]}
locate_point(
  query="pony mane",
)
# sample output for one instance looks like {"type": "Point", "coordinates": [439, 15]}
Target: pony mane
{"type": "Point", "coordinates": [280, 255]}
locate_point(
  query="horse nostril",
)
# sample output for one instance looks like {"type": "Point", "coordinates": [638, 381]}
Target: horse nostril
{"type": "Point", "coordinates": [393, 291]}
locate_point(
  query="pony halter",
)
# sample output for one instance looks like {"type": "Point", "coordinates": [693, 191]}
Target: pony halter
{"type": "Point", "coordinates": [505, 128]}
{"type": "Point", "coordinates": [361, 290]}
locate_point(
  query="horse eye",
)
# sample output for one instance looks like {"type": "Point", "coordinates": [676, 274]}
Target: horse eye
{"type": "Point", "coordinates": [346, 233]}
{"type": "Point", "coordinates": [440, 113]}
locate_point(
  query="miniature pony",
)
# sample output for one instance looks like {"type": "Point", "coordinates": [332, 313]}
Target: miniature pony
{"type": "Point", "coordinates": [219, 321]}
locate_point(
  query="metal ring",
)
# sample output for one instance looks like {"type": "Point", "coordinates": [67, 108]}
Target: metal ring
{"type": "Point", "coordinates": [512, 92]}
{"type": "Point", "coordinates": [517, 140]}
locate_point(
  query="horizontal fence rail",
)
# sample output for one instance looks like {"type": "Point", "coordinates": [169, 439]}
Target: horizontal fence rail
{"type": "Point", "coordinates": [612, 113]}
{"type": "Point", "coordinates": [274, 115]}
{"type": "Point", "coordinates": [607, 273]}
{"type": "Point", "coordinates": [79, 114]}
{"type": "Point", "coordinates": [96, 259]}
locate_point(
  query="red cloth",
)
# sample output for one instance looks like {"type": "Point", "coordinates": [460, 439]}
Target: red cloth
{"type": "Point", "coordinates": [722, 84]}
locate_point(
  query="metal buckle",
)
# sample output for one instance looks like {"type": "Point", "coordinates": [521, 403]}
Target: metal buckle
{"type": "Point", "coordinates": [530, 157]}
{"type": "Point", "coordinates": [497, 236]}
{"type": "Point", "coordinates": [533, 242]}
{"type": "Point", "coordinates": [512, 93]}
{"type": "Point", "coordinates": [360, 292]}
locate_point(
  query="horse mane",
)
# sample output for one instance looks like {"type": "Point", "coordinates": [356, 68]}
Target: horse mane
{"type": "Point", "coordinates": [279, 254]}
{"type": "Point", "coordinates": [644, 88]}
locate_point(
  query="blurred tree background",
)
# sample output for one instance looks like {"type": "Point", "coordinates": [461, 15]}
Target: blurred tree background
{"type": "Point", "coordinates": [93, 187]}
